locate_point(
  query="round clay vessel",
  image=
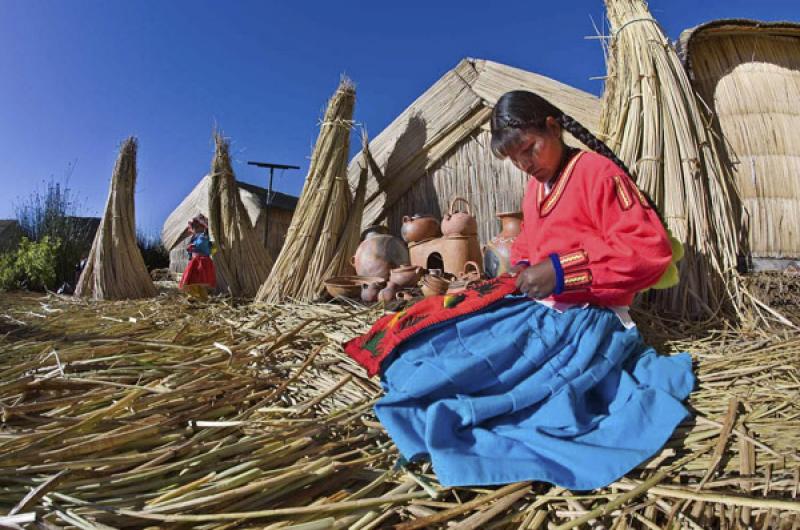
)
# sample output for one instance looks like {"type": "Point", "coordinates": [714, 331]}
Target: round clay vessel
{"type": "Point", "coordinates": [433, 285]}
{"type": "Point", "coordinates": [388, 293]}
{"type": "Point", "coordinates": [497, 252]}
{"type": "Point", "coordinates": [404, 296]}
{"type": "Point", "coordinates": [370, 289]}
{"type": "Point", "coordinates": [472, 271]}
{"type": "Point", "coordinates": [459, 223]}
{"type": "Point", "coordinates": [405, 276]}
{"type": "Point", "coordinates": [419, 227]}
{"type": "Point", "coordinates": [378, 254]}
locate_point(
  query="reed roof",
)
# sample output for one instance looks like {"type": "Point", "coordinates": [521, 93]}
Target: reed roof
{"type": "Point", "coordinates": [451, 110]}
{"type": "Point", "coordinates": [253, 197]}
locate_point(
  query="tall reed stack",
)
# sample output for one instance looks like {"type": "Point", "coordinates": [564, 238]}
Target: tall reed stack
{"type": "Point", "coordinates": [653, 120]}
{"type": "Point", "coordinates": [314, 246]}
{"type": "Point", "coordinates": [241, 259]}
{"type": "Point", "coordinates": [115, 268]}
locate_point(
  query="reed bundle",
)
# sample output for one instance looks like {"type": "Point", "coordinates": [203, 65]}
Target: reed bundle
{"type": "Point", "coordinates": [317, 243]}
{"type": "Point", "coordinates": [159, 413]}
{"type": "Point", "coordinates": [653, 121]}
{"type": "Point", "coordinates": [241, 258]}
{"type": "Point", "coordinates": [115, 268]}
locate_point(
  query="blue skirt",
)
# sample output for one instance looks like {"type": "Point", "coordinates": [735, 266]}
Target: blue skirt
{"type": "Point", "coordinates": [523, 392]}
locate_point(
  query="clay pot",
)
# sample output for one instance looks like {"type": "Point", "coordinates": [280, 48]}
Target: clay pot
{"type": "Point", "coordinates": [344, 286]}
{"type": "Point", "coordinates": [459, 285]}
{"type": "Point", "coordinates": [419, 227]}
{"type": "Point", "coordinates": [370, 290]}
{"type": "Point", "coordinates": [388, 293]}
{"type": "Point", "coordinates": [404, 296]}
{"type": "Point", "coordinates": [497, 253]}
{"type": "Point", "coordinates": [434, 285]}
{"type": "Point", "coordinates": [471, 272]}
{"type": "Point", "coordinates": [459, 223]}
{"type": "Point", "coordinates": [405, 276]}
{"type": "Point", "coordinates": [379, 253]}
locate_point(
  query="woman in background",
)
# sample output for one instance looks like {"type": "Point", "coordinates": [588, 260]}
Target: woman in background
{"type": "Point", "coordinates": [200, 275]}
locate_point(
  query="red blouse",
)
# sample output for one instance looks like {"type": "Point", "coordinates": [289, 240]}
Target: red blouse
{"type": "Point", "coordinates": [610, 242]}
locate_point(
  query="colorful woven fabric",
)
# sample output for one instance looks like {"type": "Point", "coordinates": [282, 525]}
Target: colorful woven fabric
{"type": "Point", "coordinates": [390, 331]}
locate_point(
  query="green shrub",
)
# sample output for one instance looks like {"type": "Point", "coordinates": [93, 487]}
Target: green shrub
{"type": "Point", "coordinates": [31, 266]}
{"type": "Point", "coordinates": [53, 212]}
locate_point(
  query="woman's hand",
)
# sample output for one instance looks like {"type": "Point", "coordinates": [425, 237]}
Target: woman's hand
{"type": "Point", "coordinates": [537, 281]}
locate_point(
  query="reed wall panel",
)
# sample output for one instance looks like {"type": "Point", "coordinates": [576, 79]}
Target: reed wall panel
{"type": "Point", "coordinates": [752, 81]}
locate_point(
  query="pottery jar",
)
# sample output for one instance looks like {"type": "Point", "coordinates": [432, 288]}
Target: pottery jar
{"type": "Point", "coordinates": [434, 285]}
{"type": "Point", "coordinates": [405, 276]}
{"type": "Point", "coordinates": [370, 290]}
{"type": "Point", "coordinates": [497, 253]}
{"type": "Point", "coordinates": [472, 272]}
{"type": "Point", "coordinates": [419, 227]}
{"type": "Point", "coordinates": [378, 254]}
{"type": "Point", "coordinates": [459, 223]}
{"type": "Point", "coordinates": [388, 293]}
{"type": "Point", "coordinates": [404, 296]}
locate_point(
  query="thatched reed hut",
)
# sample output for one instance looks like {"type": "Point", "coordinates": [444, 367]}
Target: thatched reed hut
{"type": "Point", "coordinates": [439, 147]}
{"type": "Point", "coordinates": [748, 72]}
{"type": "Point", "coordinates": [175, 235]}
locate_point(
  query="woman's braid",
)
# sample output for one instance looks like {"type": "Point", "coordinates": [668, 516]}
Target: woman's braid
{"type": "Point", "coordinates": [584, 135]}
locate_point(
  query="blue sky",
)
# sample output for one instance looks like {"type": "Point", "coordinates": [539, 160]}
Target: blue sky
{"type": "Point", "coordinates": [77, 77]}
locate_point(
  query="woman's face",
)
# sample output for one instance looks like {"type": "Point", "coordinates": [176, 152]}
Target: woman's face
{"type": "Point", "coordinates": [539, 153]}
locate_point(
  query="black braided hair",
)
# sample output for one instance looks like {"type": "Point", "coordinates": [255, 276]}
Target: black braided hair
{"type": "Point", "coordinates": [576, 129]}
{"type": "Point", "coordinates": [519, 110]}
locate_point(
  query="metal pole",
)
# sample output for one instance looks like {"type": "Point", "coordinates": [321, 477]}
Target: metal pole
{"type": "Point", "coordinates": [267, 207]}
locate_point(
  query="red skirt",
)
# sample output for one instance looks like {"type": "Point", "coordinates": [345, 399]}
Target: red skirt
{"type": "Point", "coordinates": [200, 271]}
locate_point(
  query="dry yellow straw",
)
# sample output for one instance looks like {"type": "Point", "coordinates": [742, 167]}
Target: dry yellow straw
{"type": "Point", "coordinates": [115, 268]}
{"type": "Point", "coordinates": [652, 120]}
{"type": "Point", "coordinates": [321, 219]}
{"type": "Point", "coordinates": [241, 259]}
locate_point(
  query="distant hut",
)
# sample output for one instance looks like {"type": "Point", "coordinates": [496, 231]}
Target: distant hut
{"type": "Point", "coordinates": [82, 230]}
{"type": "Point", "coordinates": [439, 147]}
{"type": "Point", "coordinates": [79, 230]}
{"type": "Point", "coordinates": [10, 235]}
{"type": "Point", "coordinates": [748, 72]}
{"type": "Point", "coordinates": [175, 235]}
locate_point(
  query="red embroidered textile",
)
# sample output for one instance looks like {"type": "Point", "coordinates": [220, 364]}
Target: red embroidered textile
{"type": "Point", "coordinates": [370, 349]}
{"type": "Point", "coordinates": [200, 271]}
{"type": "Point", "coordinates": [611, 244]}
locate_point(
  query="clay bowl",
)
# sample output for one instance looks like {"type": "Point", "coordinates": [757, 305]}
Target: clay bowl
{"type": "Point", "coordinates": [348, 286]}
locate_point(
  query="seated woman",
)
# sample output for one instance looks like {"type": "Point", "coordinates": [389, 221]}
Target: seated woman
{"type": "Point", "coordinates": [553, 382]}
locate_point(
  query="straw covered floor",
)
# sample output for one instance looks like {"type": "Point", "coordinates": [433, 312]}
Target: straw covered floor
{"type": "Point", "coordinates": [168, 414]}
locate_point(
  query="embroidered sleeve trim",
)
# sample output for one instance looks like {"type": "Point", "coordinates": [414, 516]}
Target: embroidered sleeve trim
{"type": "Point", "coordinates": [574, 281]}
{"type": "Point", "coordinates": [573, 259]}
{"type": "Point", "coordinates": [624, 198]}
{"type": "Point", "coordinates": [546, 204]}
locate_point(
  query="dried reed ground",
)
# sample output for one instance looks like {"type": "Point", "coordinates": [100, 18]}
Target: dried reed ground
{"type": "Point", "coordinates": [159, 413]}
